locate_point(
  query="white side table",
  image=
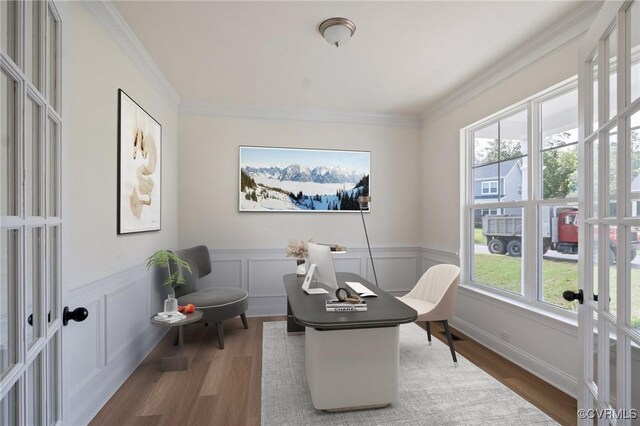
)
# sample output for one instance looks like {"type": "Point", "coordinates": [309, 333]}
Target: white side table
{"type": "Point", "coordinates": [178, 361]}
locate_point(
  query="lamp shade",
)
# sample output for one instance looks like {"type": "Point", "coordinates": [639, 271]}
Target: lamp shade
{"type": "Point", "coordinates": [337, 31]}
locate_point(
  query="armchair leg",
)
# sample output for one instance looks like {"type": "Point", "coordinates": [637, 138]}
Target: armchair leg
{"type": "Point", "coordinates": [220, 334]}
{"type": "Point", "coordinates": [446, 330]}
{"type": "Point", "coordinates": [426, 323]}
{"type": "Point", "coordinates": [244, 321]}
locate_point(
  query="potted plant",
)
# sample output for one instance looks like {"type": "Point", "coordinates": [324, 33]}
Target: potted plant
{"type": "Point", "coordinates": [300, 250]}
{"type": "Point", "coordinates": [164, 259]}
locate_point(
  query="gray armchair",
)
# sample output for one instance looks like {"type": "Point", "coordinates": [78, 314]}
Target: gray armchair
{"type": "Point", "coordinates": [217, 304]}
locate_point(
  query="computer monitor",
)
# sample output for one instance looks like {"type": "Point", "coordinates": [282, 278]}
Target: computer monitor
{"type": "Point", "coordinates": [321, 268]}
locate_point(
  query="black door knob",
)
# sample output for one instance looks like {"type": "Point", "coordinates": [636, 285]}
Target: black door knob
{"type": "Point", "coordinates": [78, 314]}
{"type": "Point", "coordinates": [570, 296]}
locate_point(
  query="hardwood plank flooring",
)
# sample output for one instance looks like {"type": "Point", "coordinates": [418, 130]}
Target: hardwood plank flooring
{"type": "Point", "coordinates": [224, 387]}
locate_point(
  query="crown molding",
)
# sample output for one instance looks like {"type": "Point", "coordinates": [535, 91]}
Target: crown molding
{"type": "Point", "coordinates": [552, 38]}
{"type": "Point", "coordinates": [108, 16]}
{"type": "Point", "coordinates": [297, 114]}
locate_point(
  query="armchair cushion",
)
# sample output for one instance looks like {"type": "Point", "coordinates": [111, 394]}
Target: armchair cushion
{"type": "Point", "coordinates": [218, 304]}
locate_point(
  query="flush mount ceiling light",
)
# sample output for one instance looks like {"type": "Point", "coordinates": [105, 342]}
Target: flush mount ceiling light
{"type": "Point", "coordinates": [337, 31]}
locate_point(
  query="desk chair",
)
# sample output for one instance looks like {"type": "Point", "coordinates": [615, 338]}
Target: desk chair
{"type": "Point", "coordinates": [434, 297]}
{"type": "Point", "coordinates": [217, 304]}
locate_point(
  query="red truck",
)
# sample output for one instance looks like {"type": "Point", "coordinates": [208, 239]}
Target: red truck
{"type": "Point", "coordinates": [559, 230]}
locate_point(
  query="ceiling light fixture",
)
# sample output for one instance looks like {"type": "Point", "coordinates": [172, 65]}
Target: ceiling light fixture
{"type": "Point", "coordinates": [337, 31]}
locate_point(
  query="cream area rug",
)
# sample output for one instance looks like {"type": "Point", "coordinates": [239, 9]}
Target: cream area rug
{"type": "Point", "coordinates": [433, 391]}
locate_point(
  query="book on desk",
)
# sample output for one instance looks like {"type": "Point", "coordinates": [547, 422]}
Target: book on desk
{"type": "Point", "coordinates": [335, 305]}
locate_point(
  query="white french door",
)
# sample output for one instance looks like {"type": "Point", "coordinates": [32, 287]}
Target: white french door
{"type": "Point", "coordinates": [30, 216]}
{"type": "Point", "coordinates": [609, 319]}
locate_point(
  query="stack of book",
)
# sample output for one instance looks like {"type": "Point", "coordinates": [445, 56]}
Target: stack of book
{"type": "Point", "coordinates": [169, 316]}
{"type": "Point", "coordinates": [335, 305]}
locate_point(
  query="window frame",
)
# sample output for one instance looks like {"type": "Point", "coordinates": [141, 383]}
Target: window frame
{"type": "Point", "coordinates": [531, 284]}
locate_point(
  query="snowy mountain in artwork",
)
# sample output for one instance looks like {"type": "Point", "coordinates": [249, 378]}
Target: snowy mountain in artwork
{"type": "Point", "coordinates": [298, 173]}
{"type": "Point", "coordinates": [297, 187]}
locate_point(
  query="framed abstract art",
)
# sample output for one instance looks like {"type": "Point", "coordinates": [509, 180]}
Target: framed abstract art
{"type": "Point", "coordinates": [139, 168]}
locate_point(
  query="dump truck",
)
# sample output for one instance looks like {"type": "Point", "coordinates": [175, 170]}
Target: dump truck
{"type": "Point", "coordinates": [559, 230]}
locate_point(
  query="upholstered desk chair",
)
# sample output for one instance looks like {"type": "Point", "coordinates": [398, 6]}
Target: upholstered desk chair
{"type": "Point", "coordinates": [434, 297]}
{"type": "Point", "coordinates": [217, 304]}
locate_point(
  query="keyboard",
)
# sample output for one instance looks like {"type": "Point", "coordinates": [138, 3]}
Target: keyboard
{"type": "Point", "coordinates": [360, 289]}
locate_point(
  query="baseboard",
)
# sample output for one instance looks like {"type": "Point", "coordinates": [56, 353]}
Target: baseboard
{"type": "Point", "coordinates": [535, 366]}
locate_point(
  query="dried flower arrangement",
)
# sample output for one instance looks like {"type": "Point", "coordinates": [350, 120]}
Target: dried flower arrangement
{"type": "Point", "coordinates": [298, 248]}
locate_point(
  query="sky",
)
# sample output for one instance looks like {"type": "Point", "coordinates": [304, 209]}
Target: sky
{"type": "Point", "coordinates": [282, 157]}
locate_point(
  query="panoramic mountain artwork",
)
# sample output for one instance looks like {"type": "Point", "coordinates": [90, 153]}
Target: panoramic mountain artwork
{"type": "Point", "coordinates": [292, 179]}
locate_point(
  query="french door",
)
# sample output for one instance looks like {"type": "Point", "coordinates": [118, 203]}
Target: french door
{"type": "Point", "coordinates": [30, 216]}
{"type": "Point", "coordinates": [609, 319]}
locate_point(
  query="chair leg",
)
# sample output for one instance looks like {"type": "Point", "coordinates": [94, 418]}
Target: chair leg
{"type": "Point", "coordinates": [446, 330]}
{"type": "Point", "coordinates": [244, 321]}
{"type": "Point", "coordinates": [220, 334]}
{"type": "Point", "coordinates": [426, 323]}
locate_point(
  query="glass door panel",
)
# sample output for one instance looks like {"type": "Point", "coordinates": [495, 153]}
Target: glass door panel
{"type": "Point", "coordinates": [612, 48]}
{"type": "Point", "coordinates": [52, 167]}
{"type": "Point", "coordinates": [34, 278]}
{"type": "Point", "coordinates": [9, 153]}
{"type": "Point", "coordinates": [8, 28]}
{"type": "Point", "coordinates": [33, 158]}
{"type": "Point", "coordinates": [52, 59]}
{"type": "Point", "coordinates": [9, 265]}
{"type": "Point", "coordinates": [32, 22]}
{"type": "Point", "coordinates": [612, 155]}
{"type": "Point", "coordinates": [633, 52]}
{"type": "Point", "coordinates": [9, 407]}
{"type": "Point", "coordinates": [33, 401]}
{"type": "Point", "coordinates": [53, 244]}
{"type": "Point", "coordinates": [593, 67]}
{"type": "Point", "coordinates": [634, 139]}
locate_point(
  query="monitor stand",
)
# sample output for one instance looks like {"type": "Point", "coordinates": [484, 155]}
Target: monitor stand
{"type": "Point", "coordinates": [307, 282]}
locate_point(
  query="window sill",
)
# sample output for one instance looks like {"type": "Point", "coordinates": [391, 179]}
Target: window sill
{"type": "Point", "coordinates": [567, 324]}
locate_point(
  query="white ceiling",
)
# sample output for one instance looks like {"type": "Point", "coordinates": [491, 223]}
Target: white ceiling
{"type": "Point", "coordinates": [403, 57]}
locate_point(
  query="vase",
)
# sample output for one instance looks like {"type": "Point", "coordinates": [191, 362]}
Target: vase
{"type": "Point", "coordinates": [301, 270]}
{"type": "Point", "coordinates": [171, 304]}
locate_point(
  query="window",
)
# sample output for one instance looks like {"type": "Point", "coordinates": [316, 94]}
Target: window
{"type": "Point", "coordinates": [519, 203]}
{"type": "Point", "coordinates": [490, 187]}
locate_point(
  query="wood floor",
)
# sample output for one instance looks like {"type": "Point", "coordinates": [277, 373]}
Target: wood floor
{"type": "Point", "coordinates": [223, 387]}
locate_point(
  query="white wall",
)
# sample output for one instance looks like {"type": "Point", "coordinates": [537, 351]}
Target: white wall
{"type": "Point", "coordinates": [547, 347]}
{"type": "Point", "coordinates": [101, 270]}
{"type": "Point", "coordinates": [208, 212]}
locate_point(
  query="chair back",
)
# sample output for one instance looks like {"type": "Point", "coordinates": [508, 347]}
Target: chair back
{"type": "Point", "coordinates": [439, 286]}
{"type": "Point", "coordinates": [198, 258]}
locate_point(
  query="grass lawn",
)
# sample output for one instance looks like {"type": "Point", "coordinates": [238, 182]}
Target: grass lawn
{"type": "Point", "coordinates": [478, 236]}
{"type": "Point", "coordinates": [504, 272]}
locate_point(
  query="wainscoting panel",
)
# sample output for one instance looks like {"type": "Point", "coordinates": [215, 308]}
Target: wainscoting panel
{"type": "Point", "coordinates": [116, 336]}
{"type": "Point", "coordinates": [224, 273]}
{"type": "Point", "coordinates": [265, 276]}
{"type": "Point", "coordinates": [395, 273]}
{"type": "Point", "coordinates": [347, 264]}
{"type": "Point", "coordinates": [83, 365]}
{"type": "Point", "coordinates": [124, 316]}
{"type": "Point", "coordinates": [260, 272]}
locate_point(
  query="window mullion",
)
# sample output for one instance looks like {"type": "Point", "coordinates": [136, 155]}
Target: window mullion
{"type": "Point", "coordinates": [531, 283]}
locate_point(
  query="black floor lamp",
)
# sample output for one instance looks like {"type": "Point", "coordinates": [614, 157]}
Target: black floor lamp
{"type": "Point", "coordinates": [363, 203]}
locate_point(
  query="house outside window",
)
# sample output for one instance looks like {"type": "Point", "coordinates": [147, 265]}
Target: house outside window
{"type": "Point", "coordinates": [510, 240]}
